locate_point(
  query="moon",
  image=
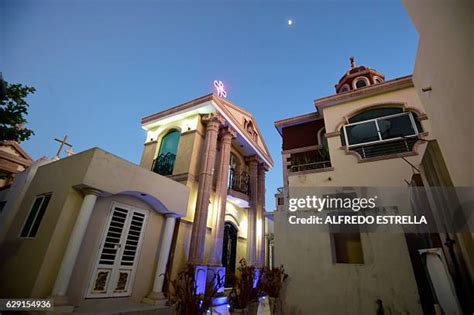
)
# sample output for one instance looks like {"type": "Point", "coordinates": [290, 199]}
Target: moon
{"type": "Point", "coordinates": [290, 22]}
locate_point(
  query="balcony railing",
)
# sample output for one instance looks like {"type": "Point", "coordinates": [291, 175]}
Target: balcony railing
{"type": "Point", "coordinates": [164, 164]}
{"type": "Point", "coordinates": [385, 148]}
{"type": "Point", "coordinates": [239, 181]}
{"type": "Point", "coordinates": [309, 160]}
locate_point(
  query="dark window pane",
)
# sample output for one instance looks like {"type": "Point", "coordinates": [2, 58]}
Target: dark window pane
{"type": "Point", "coordinates": [2, 206]}
{"type": "Point", "coordinates": [348, 248]}
{"type": "Point", "coordinates": [418, 124]}
{"type": "Point", "coordinates": [343, 138]}
{"type": "Point", "coordinates": [41, 212]}
{"type": "Point", "coordinates": [323, 140]}
{"type": "Point", "coordinates": [395, 127]}
{"type": "Point", "coordinates": [375, 113]}
{"type": "Point", "coordinates": [164, 162]}
{"type": "Point", "coordinates": [362, 133]}
{"type": "Point", "coordinates": [31, 217]}
{"type": "Point", "coordinates": [169, 144]}
{"type": "Point", "coordinates": [361, 83]}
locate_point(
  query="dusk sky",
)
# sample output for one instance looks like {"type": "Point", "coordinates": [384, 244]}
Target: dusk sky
{"type": "Point", "coordinates": [100, 66]}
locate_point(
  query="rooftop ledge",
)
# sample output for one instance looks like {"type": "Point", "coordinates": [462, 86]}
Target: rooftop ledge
{"type": "Point", "coordinates": [387, 86]}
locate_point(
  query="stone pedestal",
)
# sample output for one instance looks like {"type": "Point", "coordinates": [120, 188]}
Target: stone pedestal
{"type": "Point", "coordinates": [61, 305]}
{"type": "Point", "coordinates": [61, 309]}
{"type": "Point", "coordinates": [155, 298]}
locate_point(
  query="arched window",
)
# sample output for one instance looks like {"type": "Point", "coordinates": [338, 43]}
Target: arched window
{"type": "Point", "coordinates": [229, 252]}
{"type": "Point", "coordinates": [234, 162]}
{"type": "Point", "coordinates": [323, 141]}
{"type": "Point", "coordinates": [344, 88]}
{"type": "Point", "coordinates": [381, 131]}
{"type": "Point", "coordinates": [360, 82]}
{"type": "Point", "coordinates": [164, 162]}
{"type": "Point", "coordinates": [238, 179]}
{"type": "Point", "coordinates": [377, 80]}
{"type": "Point", "coordinates": [233, 167]}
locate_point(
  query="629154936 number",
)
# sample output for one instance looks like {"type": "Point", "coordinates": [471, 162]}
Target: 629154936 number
{"type": "Point", "coordinates": [26, 304]}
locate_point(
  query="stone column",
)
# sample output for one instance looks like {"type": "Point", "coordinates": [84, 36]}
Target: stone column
{"type": "Point", "coordinates": [72, 250]}
{"type": "Point", "coordinates": [215, 258]}
{"type": "Point", "coordinates": [198, 235]}
{"type": "Point", "coordinates": [167, 236]}
{"type": "Point", "coordinates": [252, 211]}
{"type": "Point", "coordinates": [261, 215]}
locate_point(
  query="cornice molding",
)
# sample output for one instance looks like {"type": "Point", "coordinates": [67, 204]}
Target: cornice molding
{"type": "Point", "coordinates": [387, 86]}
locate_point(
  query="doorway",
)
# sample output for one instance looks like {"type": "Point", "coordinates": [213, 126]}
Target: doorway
{"type": "Point", "coordinates": [117, 260]}
{"type": "Point", "coordinates": [229, 252]}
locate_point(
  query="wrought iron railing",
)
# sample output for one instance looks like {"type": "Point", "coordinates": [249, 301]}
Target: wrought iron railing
{"type": "Point", "coordinates": [164, 164]}
{"type": "Point", "coordinates": [239, 181]}
{"type": "Point", "coordinates": [309, 160]}
{"type": "Point", "coordinates": [386, 148]}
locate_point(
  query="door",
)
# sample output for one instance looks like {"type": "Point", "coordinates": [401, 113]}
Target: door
{"type": "Point", "coordinates": [118, 254]}
{"type": "Point", "coordinates": [229, 252]}
{"type": "Point", "coordinates": [441, 280]}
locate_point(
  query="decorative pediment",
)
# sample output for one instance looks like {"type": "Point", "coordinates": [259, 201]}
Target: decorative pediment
{"type": "Point", "coordinates": [237, 117]}
{"type": "Point", "coordinates": [246, 124]}
{"type": "Point", "coordinates": [249, 127]}
{"type": "Point", "coordinates": [12, 151]}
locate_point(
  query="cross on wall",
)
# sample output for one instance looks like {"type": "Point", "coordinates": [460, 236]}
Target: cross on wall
{"type": "Point", "coordinates": [63, 142]}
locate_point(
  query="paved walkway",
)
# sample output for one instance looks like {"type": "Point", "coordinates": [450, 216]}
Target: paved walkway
{"type": "Point", "coordinates": [130, 308]}
{"type": "Point", "coordinates": [122, 308]}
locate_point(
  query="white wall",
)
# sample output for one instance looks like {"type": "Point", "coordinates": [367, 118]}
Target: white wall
{"type": "Point", "coordinates": [445, 63]}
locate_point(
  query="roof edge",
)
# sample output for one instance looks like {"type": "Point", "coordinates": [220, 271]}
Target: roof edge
{"type": "Point", "coordinates": [387, 86]}
{"type": "Point", "coordinates": [220, 103]}
{"type": "Point", "coordinates": [296, 120]}
{"type": "Point", "coordinates": [177, 108]}
{"type": "Point", "coordinates": [265, 152]}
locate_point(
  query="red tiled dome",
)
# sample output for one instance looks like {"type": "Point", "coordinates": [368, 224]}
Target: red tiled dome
{"type": "Point", "coordinates": [358, 77]}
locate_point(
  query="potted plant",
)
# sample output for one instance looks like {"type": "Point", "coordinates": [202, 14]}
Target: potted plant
{"type": "Point", "coordinates": [256, 293]}
{"type": "Point", "coordinates": [272, 283]}
{"type": "Point", "coordinates": [243, 289]}
{"type": "Point", "coordinates": [183, 294]}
